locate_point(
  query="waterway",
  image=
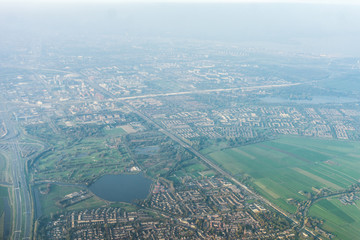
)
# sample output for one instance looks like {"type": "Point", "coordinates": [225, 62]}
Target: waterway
{"type": "Point", "coordinates": [122, 187]}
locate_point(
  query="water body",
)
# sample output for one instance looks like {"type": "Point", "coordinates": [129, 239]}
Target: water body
{"type": "Point", "coordinates": [122, 188]}
{"type": "Point", "coordinates": [314, 100]}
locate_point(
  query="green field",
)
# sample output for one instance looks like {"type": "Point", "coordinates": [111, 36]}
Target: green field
{"type": "Point", "coordinates": [3, 197]}
{"type": "Point", "coordinates": [2, 168]}
{"type": "Point", "coordinates": [56, 193]}
{"type": "Point", "coordinates": [84, 160]}
{"type": "Point", "coordinates": [341, 220]}
{"type": "Point", "coordinates": [3, 194]}
{"type": "Point", "coordinates": [114, 132]}
{"type": "Point", "coordinates": [290, 167]}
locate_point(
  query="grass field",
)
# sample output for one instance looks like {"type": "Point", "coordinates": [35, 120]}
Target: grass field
{"type": "Point", "coordinates": [341, 220]}
{"type": "Point", "coordinates": [2, 168]}
{"type": "Point", "coordinates": [285, 168]}
{"type": "Point", "coordinates": [127, 206]}
{"type": "Point", "coordinates": [2, 221]}
{"type": "Point", "coordinates": [191, 168]}
{"type": "Point", "coordinates": [114, 131]}
{"type": "Point", "coordinates": [3, 194]}
{"type": "Point", "coordinates": [85, 160]}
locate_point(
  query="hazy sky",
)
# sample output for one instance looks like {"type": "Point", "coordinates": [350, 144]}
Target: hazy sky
{"type": "Point", "coordinates": [323, 28]}
{"type": "Point", "coordinates": [187, 1]}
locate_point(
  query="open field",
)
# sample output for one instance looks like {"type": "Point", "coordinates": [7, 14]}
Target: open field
{"type": "Point", "coordinates": [57, 192]}
{"type": "Point", "coordinates": [4, 195]}
{"type": "Point", "coordinates": [290, 167]}
{"type": "Point", "coordinates": [93, 202]}
{"type": "Point", "coordinates": [341, 220]}
{"type": "Point", "coordinates": [3, 169]}
{"type": "Point", "coordinates": [115, 131]}
{"type": "Point", "coordinates": [191, 168]}
{"type": "Point", "coordinates": [127, 206]}
{"type": "Point", "coordinates": [2, 221]}
{"type": "Point", "coordinates": [127, 129]}
{"type": "Point", "coordinates": [84, 160]}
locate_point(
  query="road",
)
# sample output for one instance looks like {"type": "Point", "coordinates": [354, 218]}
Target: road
{"type": "Point", "coordinates": [314, 200]}
{"type": "Point", "coordinates": [219, 170]}
{"type": "Point", "coordinates": [201, 156]}
{"type": "Point", "coordinates": [250, 88]}
{"type": "Point", "coordinates": [197, 153]}
{"type": "Point", "coordinates": [21, 202]}
{"type": "Point", "coordinates": [210, 163]}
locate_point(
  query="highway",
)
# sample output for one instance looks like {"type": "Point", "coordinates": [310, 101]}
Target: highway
{"type": "Point", "coordinates": [21, 201]}
{"type": "Point", "coordinates": [205, 159]}
{"type": "Point", "coordinates": [220, 170]}
{"type": "Point", "coordinates": [197, 153]}
{"type": "Point", "coordinates": [210, 163]}
{"type": "Point", "coordinates": [250, 88]}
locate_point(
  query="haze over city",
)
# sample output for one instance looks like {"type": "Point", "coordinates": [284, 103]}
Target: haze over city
{"type": "Point", "coordinates": [179, 119]}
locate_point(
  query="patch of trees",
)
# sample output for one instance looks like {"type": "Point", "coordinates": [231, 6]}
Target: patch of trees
{"type": "Point", "coordinates": [240, 141]}
{"type": "Point", "coordinates": [41, 130]}
{"type": "Point", "coordinates": [83, 131]}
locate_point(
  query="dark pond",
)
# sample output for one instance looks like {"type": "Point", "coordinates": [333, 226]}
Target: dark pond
{"type": "Point", "coordinates": [122, 188]}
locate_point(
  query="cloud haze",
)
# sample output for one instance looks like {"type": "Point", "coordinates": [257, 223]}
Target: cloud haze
{"type": "Point", "coordinates": [303, 27]}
